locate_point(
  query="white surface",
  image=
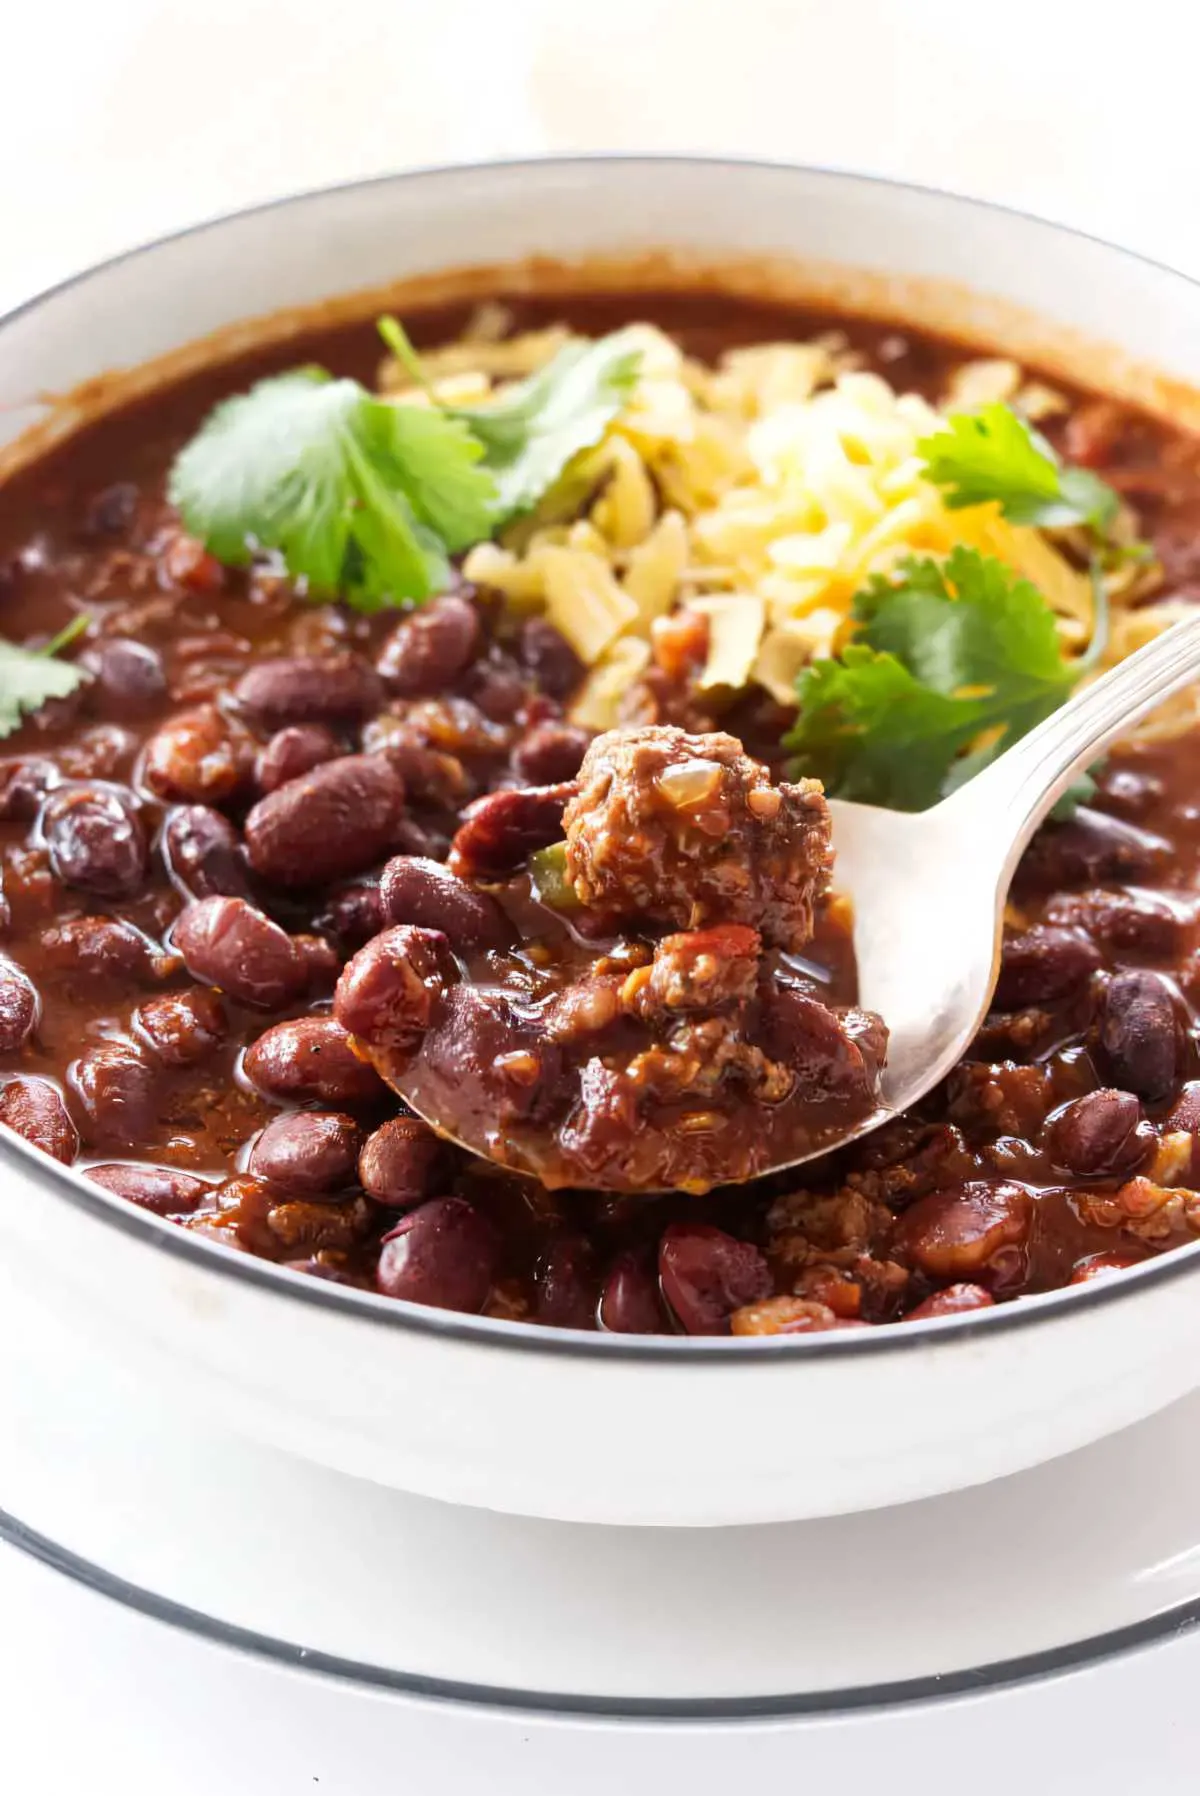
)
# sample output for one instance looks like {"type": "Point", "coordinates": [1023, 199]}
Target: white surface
{"type": "Point", "coordinates": [603, 1429]}
{"type": "Point", "coordinates": [136, 116]}
{"type": "Point", "coordinates": [182, 1509]}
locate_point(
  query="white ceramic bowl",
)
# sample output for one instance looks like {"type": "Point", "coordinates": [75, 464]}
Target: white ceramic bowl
{"type": "Point", "coordinates": [557, 1423]}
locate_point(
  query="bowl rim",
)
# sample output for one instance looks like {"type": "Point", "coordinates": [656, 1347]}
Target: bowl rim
{"type": "Point", "coordinates": [205, 1254]}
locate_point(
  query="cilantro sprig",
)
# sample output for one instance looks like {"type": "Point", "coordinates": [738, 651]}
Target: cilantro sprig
{"type": "Point", "coordinates": [367, 500]}
{"type": "Point", "coordinates": [993, 455]}
{"type": "Point", "coordinates": [30, 678]}
{"type": "Point", "coordinates": [950, 663]}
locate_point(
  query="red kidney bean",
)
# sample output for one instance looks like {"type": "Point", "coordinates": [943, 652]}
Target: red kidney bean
{"type": "Point", "coordinates": [1089, 850]}
{"type": "Point", "coordinates": [335, 821]}
{"type": "Point", "coordinates": [293, 752]}
{"type": "Point", "coordinates": [629, 1302]}
{"type": "Point", "coordinates": [228, 943]}
{"type": "Point", "coordinates": [98, 752]}
{"type": "Point", "coordinates": [426, 651]}
{"type": "Point", "coordinates": [398, 1160]}
{"type": "Point", "coordinates": [34, 1109]}
{"type": "Point", "coordinates": [24, 782]}
{"type": "Point", "coordinates": [1097, 1133]}
{"type": "Point", "coordinates": [129, 680]}
{"type": "Point", "coordinates": [95, 840]}
{"type": "Point", "coordinates": [162, 1189]}
{"type": "Point", "coordinates": [816, 1043]}
{"type": "Point", "coordinates": [502, 829]}
{"type": "Point", "coordinates": [112, 511]}
{"type": "Point", "coordinates": [566, 1291]}
{"type": "Point", "coordinates": [183, 1028]}
{"type": "Point", "coordinates": [387, 993]}
{"type": "Point", "coordinates": [322, 960]}
{"type": "Point", "coordinates": [550, 658]}
{"type": "Point", "coordinates": [18, 1006]}
{"type": "Point", "coordinates": [706, 1274]}
{"type": "Point", "coordinates": [421, 839]}
{"type": "Point", "coordinates": [958, 1233]}
{"type": "Point", "coordinates": [353, 914]}
{"type": "Point", "coordinates": [202, 852]}
{"type": "Point", "coordinates": [443, 1254]}
{"type": "Point", "coordinates": [103, 948]}
{"type": "Point", "coordinates": [1044, 964]}
{"type": "Point", "coordinates": [508, 1058]}
{"type": "Point", "coordinates": [198, 757]}
{"type": "Point", "coordinates": [310, 689]}
{"type": "Point", "coordinates": [550, 754]}
{"type": "Point", "coordinates": [1140, 1037]}
{"type": "Point", "coordinates": [311, 1061]}
{"type": "Point", "coordinates": [1127, 922]}
{"type": "Point", "coordinates": [117, 1090]}
{"type": "Point", "coordinates": [430, 777]}
{"type": "Point", "coordinates": [497, 688]}
{"type": "Point", "coordinates": [416, 890]}
{"type": "Point", "coordinates": [955, 1300]}
{"type": "Point", "coordinates": [307, 1151]}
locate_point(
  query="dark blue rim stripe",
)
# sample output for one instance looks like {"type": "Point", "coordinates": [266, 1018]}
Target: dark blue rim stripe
{"type": "Point", "coordinates": [518, 1336]}
{"type": "Point", "coordinates": [1059, 1661]}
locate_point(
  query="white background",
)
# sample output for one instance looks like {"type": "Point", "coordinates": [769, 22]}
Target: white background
{"type": "Point", "coordinates": [120, 119]}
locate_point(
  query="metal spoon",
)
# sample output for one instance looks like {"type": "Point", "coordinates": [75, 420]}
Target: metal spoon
{"type": "Point", "coordinates": [929, 888]}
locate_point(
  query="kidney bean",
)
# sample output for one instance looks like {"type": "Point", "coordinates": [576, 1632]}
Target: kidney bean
{"type": "Point", "coordinates": [162, 1189]}
{"type": "Point", "coordinates": [957, 1233]}
{"type": "Point", "coordinates": [443, 1254]}
{"type": "Point", "coordinates": [1099, 1265]}
{"type": "Point", "coordinates": [309, 689]}
{"type": "Point", "coordinates": [228, 943]}
{"type": "Point", "coordinates": [508, 1058]}
{"type": "Point", "coordinates": [307, 1151]}
{"type": "Point", "coordinates": [1140, 1037]}
{"type": "Point", "coordinates": [502, 829]}
{"type": "Point", "coordinates": [1127, 922]}
{"type": "Point", "coordinates": [1089, 850]}
{"type": "Point", "coordinates": [629, 1302]}
{"type": "Point", "coordinates": [706, 1274]}
{"type": "Point", "coordinates": [426, 651]}
{"type": "Point", "coordinates": [202, 853]}
{"type": "Point", "coordinates": [335, 821]}
{"type": "Point", "coordinates": [112, 511]}
{"type": "Point", "coordinates": [550, 754]}
{"type": "Point", "coordinates": [420, 839]}
{"type": "Point", "coordinates": [430, 776]}
{"type": "Point", "coordinates": [814, 1041]}
{"type": "Point", "coordinates": [183, 1028]}
{"type": "Point", "coordinates": [293, 752]}
{"type": "Point", "coordinates": [24, 783]}
{"type": "Point", "coordinates": [549, 657]}
{"type": "Point", "coordinates": [497, 688]}
{"type": "Point", "coordinates": [322, 960]}
{"type": "Point", "coordinates": [455, 726]}
{"type": "Point", "coordinates": [100, 752]}
{"type": "Point", "coordinates": [398, 1160]}
{"type": "Point", "coordinates": [955, 1300]}
{"type": "Point", "coordinates": [18, 1006]}
{"type": "Point", "coordinates": [1097, 1133]}
{"type": "Point", "coordinates": [566, 1292]}
{"type": "Point", "coordinates": [353, 914]}
{"type": "Point", "coordinates": [198, 757]}
{"type": "Point", "coordinates": [34, 1109]}
{"type": "Point", "coordinates": [309, 1061]}
{"type": "Point", "coordinates": [103, 948]}
{"type": "Point", "coordinates": [1043, 964]}
{"type": "Point", "coordinates": [387, 993]}
{"type": "Point", "coordinates": [416, 890]}
{"type": "Point", "coordinates": [118, 1092]}
{"type": "Point", "coordinates": [128, 676]}
{"type": "Point", "coordinates": [95, 840]}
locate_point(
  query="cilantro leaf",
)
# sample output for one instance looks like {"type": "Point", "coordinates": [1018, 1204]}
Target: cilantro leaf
{"type": "Point", "coordinates": [531, 433]}
{"type": "Point", "coordinates": [992, 455]}
{"type": "Point", "coordinates": [952, 662]}
{"type": "Point", "coordinates": [29, 678]}
{"type": "Point", "coordinates": [361, 498]}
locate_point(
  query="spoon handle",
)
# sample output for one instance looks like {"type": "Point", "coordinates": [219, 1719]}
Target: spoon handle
{"type": "Point", "coordinates": [1017, 790]}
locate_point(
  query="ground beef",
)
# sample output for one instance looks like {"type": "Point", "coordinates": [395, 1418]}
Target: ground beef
{"type": "Point", "coordinates": [682, 829]}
